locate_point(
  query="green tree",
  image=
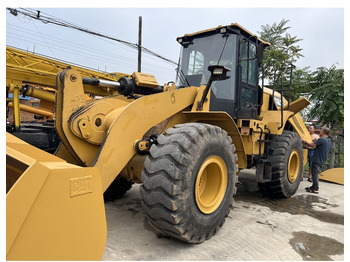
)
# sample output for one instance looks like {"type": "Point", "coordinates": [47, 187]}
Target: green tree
{"type": "Point", "coordinates": [302, 78]}
{"type": "Point", "coordinates": [284, 49]}
{"type": "Point", "coordinates": [327, 98]}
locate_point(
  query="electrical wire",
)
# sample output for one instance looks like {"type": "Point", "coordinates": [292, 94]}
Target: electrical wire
{"type": "Point", "coordinates": [27, 34]}
{"type": "Point", "coordinates": [31, 34]}
{"type": "Point", "coordinates": [43, 38]}
{"type": "Point", "coordinates": [38, 15]}
{"type": "Point", "coordinates": [150, 68]}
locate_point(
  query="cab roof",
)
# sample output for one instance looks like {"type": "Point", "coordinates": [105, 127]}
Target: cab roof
{"type": "Point", "coordinates": [233, 26]}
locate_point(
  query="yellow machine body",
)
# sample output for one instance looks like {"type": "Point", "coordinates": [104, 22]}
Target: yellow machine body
{"type": "Point", "coordinates": [55, 206]}
{"type": "Point", "coordinates": [88, 128]}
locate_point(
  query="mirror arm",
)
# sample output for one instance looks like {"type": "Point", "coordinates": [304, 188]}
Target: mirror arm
{"type": "Point", "coordinates": [204, 96]}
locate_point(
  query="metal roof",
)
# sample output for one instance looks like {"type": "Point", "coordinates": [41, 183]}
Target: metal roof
{"type": "Point", "coordinates": [233, 26]}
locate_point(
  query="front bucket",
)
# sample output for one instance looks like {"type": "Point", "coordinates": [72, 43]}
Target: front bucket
{"type": "Point", "coordinates": [54, 210]}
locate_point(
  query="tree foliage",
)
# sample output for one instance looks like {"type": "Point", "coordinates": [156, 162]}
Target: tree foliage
{"type": "Point", "coordinates": [324, 87]}
{"type": "Point", "coordinates": [284, 49]}
{"type": "Point", "coordinates": [327, 99]}
{"type": "Point", "coordinates": [327, 96]}
{"type": "Point", "coordinates": [301, 80]}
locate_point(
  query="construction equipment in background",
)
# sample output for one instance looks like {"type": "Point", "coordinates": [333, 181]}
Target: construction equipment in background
{"type": "Point", "coordinates": [186, 143]}
{"type": "Point", "coordinates": [31, 75]}
{"type": "Point", "coordinates": [35, 76]}
{"type": "Point", "coordinates": [335, 175]}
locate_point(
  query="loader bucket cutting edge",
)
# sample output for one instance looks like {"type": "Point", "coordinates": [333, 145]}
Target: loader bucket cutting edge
{"type": "Point", "coordinates": [54, 210]}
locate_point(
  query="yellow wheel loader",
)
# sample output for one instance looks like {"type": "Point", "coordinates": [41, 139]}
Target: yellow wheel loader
{"type": "Point", "coordinates": [185, 143]}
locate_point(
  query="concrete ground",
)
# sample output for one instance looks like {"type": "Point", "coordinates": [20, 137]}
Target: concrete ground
{"type": "Point", "coordinates": [304, 227]}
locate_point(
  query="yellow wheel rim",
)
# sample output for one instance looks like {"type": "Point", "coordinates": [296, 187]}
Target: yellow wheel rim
{"type": "Point", "coordinates": [293, 165]}
{"type": "Point", "coordinates": [211, 184]}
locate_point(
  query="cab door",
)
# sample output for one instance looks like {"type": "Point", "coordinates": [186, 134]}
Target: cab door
{"type": "Point", "coordinates": [248, 77]}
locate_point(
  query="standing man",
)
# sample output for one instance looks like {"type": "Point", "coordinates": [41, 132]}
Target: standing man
{"type": "Point", "coordinates": [310, 152]}
{"type": "Point", "coordinates": [322, 147]}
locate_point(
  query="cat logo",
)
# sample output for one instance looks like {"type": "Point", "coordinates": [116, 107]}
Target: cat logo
{"type": "Point", "coordinates": [80, 186]}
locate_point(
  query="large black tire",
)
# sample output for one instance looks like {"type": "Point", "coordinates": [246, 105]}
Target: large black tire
{"type": "Point", "coordinates": [286, 156]}
{"type": "Point", "coordinates": [174, 198]}
{"type": "Point", "coordinates": [117, 189]}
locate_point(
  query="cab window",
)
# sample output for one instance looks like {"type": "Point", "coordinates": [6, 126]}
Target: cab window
{"type": "Point", "coordinates": [196, 63]}
{"type": "Point", "coordinates": [249, 63]}
{"type": "Point", "coordinates": [249, 76]}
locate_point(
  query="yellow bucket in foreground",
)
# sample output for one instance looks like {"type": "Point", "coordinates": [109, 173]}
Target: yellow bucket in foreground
{"type": "Point", "coordinates": [54, 210]}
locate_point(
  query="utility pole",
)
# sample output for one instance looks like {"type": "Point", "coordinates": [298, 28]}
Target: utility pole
{"type": "Point", "coordinates": [139, 45]}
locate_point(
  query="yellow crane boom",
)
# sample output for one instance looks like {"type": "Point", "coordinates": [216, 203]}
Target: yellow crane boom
{"type": "Point", "coordinates": [41, 70]}
{"type": "Point", "coordinates": [25, 69]}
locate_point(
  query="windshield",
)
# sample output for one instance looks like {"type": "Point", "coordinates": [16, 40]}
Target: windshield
{"type": "Point", "coordinates": [202, 52]}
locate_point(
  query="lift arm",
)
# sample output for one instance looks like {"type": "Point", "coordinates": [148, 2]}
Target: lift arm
{"type": "Point", "coordinates": [103, 133]}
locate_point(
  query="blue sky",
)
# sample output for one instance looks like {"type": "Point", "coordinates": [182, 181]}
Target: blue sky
{"type": "Point", "coordinates": [322, 31]}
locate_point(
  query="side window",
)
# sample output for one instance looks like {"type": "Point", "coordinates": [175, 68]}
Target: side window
{"type": "Point", "coordinates": [244, 62]}
{"type": "Point", "coordinates": [249, 63]}
{"type": "Point", "coordinates": [196, 63]}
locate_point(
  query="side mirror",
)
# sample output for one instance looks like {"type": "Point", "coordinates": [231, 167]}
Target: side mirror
{"type": "Point", "coordinates": [260, 53]}
{"type": "Point", "coordinates": [218, 72]}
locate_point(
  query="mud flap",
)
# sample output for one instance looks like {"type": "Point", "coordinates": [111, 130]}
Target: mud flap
{"type": "Point", "coordinates": [263, 171]}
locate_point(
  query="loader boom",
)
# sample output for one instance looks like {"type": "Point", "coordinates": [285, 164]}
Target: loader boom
{"type": "Point", "coordinates": [121, 124]}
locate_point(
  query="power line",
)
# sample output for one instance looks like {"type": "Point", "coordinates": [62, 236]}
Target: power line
{"type": "Point", "coordinates": [38, 15]}
{"type": "Point", "coordinates": [54, 41]}
{"type": "Point", "coordinates": [150, 67]}
{"type": "Point", "coordinates": [43, 38]}
{"type": "Point", "coordinates": [104, 56]}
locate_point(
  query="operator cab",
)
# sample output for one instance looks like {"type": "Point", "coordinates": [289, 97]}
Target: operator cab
{"type": "Point", "coordinates": [235, 48]}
